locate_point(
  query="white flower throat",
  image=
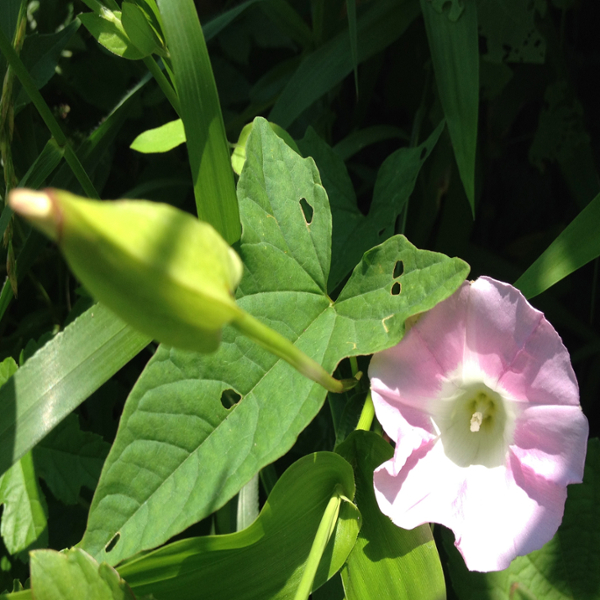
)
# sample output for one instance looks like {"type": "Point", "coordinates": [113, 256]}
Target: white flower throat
{"type": "Point", "coordinates": [475, 421]}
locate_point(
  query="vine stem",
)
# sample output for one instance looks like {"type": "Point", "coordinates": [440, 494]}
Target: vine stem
{"type": "Point", "coordinates": [275, 343]}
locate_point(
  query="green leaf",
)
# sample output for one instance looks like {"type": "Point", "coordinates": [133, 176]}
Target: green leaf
{"type": "Point", "coordinates": [24, 518]}
{"type": "Point", "coordinates": [53, 382]}
{"type": "Point", "coordinates": [357, 140]}
{"type": "Point", "coordinates": [160, 139]}
{"type": "Point", "coordinates": [575, 246]}
{"type": "Point", "coordinates": [41, 53]}
{"type": "Point", "coordinates": [73, 575]}
{"type": "Point", "coordinates": [238, 156]}
{"type": "Point", "coordinates": [108, 31]}
{"type": "Point", "coordinates": [270, 555]}
{"type": "Point", "coordinates": [387, 563]}
{"type": "Point", "coordinates": [207, 453]}
{"type": "Point", "coordinates": [200, 111]}
{"type": "Point", "coordinates": [68, 458]}
{"type": "Point", "coordinates": [25, 514]}
{"type": "Point", "coordinates": [216, 25]}
{"type": "Point", "coordinates": [351, 9]}
{"type": "Point", "coordinates": [564, 569]}
{"type": "Point", "coordinates": [138, 30]}
{"type": "Point", "coordinates": [455, 55]}
{"type": "Point", "coordinates": [510, 31]}
{"type": "Point", "coordinates": [380, 25]}
{"type": "Point", "coordinates": [353, 232]}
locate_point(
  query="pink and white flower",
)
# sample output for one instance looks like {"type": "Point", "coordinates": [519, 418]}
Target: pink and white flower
{"type": "Point", "coordinates": [483, 405]}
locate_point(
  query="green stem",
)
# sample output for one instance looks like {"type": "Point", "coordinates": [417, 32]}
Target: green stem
{"type": "Point", "coordinates": [367, 415]}
{"type": "Point", "coordinates": [57, 133]}
{"type": "Point", "coordinates": [279, 346]}
{"type": "Point", "coordinates": [163, 83]}
{"type": "Point", "coordinates": [326, 527]}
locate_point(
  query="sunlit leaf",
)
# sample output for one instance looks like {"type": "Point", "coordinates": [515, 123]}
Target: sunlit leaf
{"type": "Point", "coordinates": [270, 555]}
{"type": "Point", "coordinates": [180, 454]}
{"type": "Point", "coordinates": [73, 575]}
{"type": "Point", "coordinates": [160, 139]}
{"type": "Point", "coordinates": [575, 246]}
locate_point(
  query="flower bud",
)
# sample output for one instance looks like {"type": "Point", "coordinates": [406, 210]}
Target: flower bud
{"type": "Point", "coordinates": [161, 270]}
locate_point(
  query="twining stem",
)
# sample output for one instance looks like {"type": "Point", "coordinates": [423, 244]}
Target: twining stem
{"type": "Point", "coordinates": [326, 527]}
{"type": "Point", "coordinates": [279, 346]}
{"type": "Point", "coordinates": [366, 416]}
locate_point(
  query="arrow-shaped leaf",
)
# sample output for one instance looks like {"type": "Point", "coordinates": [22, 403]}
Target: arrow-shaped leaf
{"type": "Point", "coordinates": [180, 454]}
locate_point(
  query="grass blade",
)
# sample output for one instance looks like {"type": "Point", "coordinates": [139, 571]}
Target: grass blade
{"type": "Point", "coordinates": [576, 245]}
{"type": "Point", "coordinates": [208, 150]}
{"type": "Point", "coordinates": [454, 50]}
{"type": "Point", "coordinates": [60, 376]}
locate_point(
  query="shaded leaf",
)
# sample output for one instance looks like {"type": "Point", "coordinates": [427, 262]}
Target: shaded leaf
{"type": "Point", "coordinates": [138, 30]}
{"type": "Point", "coordinates": [383, 23]}
{"type": "Point", "coordinates": [68, 458]}
{"type": "Point", "coordinates": [270, 555]}
{"type": "Point", "coordinates": [455, 55]}
{"type": "Point", "coordinates": [354, 233]}
{"type": "Point", "coordinates": [510, 31]}
{"type": "Point", "coordinates": [179, 454]}
{"type": "Point", "coordinates": [41, 53]}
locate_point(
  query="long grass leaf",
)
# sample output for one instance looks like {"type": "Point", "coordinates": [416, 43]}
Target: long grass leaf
{"type": "Point", "coordinates": [575, 246]}
{"type": "Point", "coordinates": [378, 27]}
{"type": "Point", "coordinates": [60, 376]}
{"type": "Point", "coordinates": [453, 43]}
{"type": "Point", "coordinates": [208, 150]}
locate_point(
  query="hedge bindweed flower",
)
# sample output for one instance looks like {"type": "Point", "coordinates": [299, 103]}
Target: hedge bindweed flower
{"type": "Point", "coordinates": [482, 402]}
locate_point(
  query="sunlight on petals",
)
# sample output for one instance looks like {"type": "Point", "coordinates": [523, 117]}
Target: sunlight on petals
{"type": "Point", "coordinates": [483, 405]}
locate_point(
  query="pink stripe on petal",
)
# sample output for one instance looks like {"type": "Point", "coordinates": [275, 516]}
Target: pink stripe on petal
{"type": "Point", "coordinates": [499, 323]}
{"type": "Point", "coordinates": [552, 442]}
{"type": "Point", "coordinates": [542, 373]}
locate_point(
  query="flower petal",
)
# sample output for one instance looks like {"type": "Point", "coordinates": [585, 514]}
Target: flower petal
{"type": "Point", "coordinates": [413, 372]}
{"type": "Point", "coordinates": [541, 372]}
{"type": "Point", "coordinates": [499, 323]}
{"type": "Point", "coordinates": [496, 514]}
{"type": "Point", "coordinates": [551, 441]}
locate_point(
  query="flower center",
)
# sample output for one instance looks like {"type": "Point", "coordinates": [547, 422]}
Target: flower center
{"type": "Point", "coordinates": [475, 424]}
{"type": "Point", "coordinates": [483, 409]}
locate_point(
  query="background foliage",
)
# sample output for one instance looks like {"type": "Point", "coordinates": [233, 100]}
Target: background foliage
{"type": "Point", "coordinates": [470, 127]}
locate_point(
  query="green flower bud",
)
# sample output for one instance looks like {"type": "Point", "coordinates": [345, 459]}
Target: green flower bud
{"type": "Point", "coordinates": [161, 270]}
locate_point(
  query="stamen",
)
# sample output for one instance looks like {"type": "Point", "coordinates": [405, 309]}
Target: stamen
{"type": "Point", "coordinates": [476, 421]}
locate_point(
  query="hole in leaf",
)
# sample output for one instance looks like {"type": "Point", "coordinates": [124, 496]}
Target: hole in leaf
{"type": "Point", "coordinates": [307, 210]}
{"type": "Point", "coordinates": [113, 542]}
{"type": "Point", "coordinates": [396, 288]}
{"type": "Point", "coordinates": [381, 232]}
{"type": "Point", "coordinates": [398, 269]}
{"type": "Point", "coordinates": [229, 398]}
